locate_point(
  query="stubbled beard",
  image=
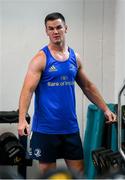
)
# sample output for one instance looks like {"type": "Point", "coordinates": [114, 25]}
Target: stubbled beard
{"type": "Point", "coordinates": [58, 42]}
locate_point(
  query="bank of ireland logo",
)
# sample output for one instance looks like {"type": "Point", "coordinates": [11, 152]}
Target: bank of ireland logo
{"type": "Point", "coordinates": [37, 152]}
{"type": "Point", "coordinates": [52, 69]}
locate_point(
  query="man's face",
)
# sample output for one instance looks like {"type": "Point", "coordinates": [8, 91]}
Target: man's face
{"type": "Point", "coordinates": [56, 30]}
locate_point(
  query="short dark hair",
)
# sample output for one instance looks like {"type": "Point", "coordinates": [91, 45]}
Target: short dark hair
{"type": "Point", "coordinates": [54, 16]}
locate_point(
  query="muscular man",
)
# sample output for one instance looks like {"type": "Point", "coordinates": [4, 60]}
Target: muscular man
{"type": "Point", "coordinates": [51, 75]}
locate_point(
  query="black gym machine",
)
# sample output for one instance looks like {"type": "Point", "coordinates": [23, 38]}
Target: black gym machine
{"type": "Point", "coordinates": [109, 163]}
{"type": "Point", "coordinates": [13, 149]}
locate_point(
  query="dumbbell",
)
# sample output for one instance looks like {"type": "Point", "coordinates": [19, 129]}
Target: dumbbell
{"type": "Point", "coordinates": [99, 160]}
{"type": "Point", "coordinates": [102, 159]}
{"type": "Point", "coordinates": [11, 150]}
{"type": "Point", "coordinates": [95, 157]}
{"type": "Point", "coordinates": [114, 160]}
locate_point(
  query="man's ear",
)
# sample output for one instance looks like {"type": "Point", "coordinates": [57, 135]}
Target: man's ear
{"type": "Point", "coordinates": [66, 28]}
{"type": "Point", "coordinates": [46, 31]}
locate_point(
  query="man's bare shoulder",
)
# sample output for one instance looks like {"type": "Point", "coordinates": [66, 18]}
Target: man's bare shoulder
{"type": "Point", "coordinates": [39, 60]}
{"type": "Point", "coordinates": [78, 58]}
{"type": "Point", "coordinates": [40, 56]}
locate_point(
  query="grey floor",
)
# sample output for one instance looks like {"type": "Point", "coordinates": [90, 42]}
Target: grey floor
{"type": "Point", "coordinates": [33, 171]}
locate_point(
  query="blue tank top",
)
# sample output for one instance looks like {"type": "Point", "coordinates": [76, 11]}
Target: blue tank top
{"type": "Point", "coordinates": [55, 107]}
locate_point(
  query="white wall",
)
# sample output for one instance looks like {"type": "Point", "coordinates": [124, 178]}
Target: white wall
{"type": "Point", "coordinates": [91, 33]}
{"type": "Point", "coordinates": [0, 51]}
{"type": "Point", "coordinates": [99, 33]}
{"type": "Point", "coordinates": [119, 47]}
{"type": "Point", "coordinates": [23, 35]}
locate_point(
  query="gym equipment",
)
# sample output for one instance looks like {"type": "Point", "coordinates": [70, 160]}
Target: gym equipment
{"type": "Point", "coordinates": [13, 150]}
{"type": "Point", "coordinates": [99, 160]}
{"type": "Point", "coordinates": [106, 160]}
{"type": "Point", "coordinates": [121, 114]}
{"type": "Point", "coordinates": [95, 157]}
{"type": "Point", "coordinates": [11, 117]}
{"type": "Point", "coordinates": [114, 160]}
{"type": "Point", "coordinates": [96, 136]}
{"type": "Point", "coordinates": [112, 164]}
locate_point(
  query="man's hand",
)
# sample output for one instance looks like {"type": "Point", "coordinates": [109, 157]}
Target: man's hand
{"type": "Point", "coordinates": [110, 116]}
{"type": "Point", "coordinates": [23, 128]}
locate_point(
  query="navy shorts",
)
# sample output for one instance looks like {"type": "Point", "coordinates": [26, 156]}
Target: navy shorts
{"type": "Point", "coordinates": [49, 147]}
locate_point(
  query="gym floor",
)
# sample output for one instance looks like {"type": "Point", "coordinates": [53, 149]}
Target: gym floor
{"type": "Point", "coordinates": [33, 172]}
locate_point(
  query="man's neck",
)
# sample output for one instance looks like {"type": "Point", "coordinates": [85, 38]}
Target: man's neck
{"type": "Point", "coordinates": [58, 47]}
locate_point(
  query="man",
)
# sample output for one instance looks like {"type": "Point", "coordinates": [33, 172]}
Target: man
{"type": "Point", "coordinates": [51, 75]}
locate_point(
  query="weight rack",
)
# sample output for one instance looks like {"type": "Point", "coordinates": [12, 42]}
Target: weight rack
{"type": "Point", "coordinates": [107, 163]}
{"type": "Point", "coordinates": [22, 165]}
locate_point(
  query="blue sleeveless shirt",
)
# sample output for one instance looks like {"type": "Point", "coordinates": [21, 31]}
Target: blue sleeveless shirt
{"type": "Point", "coordinates": [55, 107]}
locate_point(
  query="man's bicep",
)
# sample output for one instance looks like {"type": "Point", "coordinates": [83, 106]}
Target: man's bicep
{"type": "Point", "coordinates": [32, 79]}
{"type": "Point", "coordinates": [34, 73]}
{"type": "Point", "coordinates": [82, 79]}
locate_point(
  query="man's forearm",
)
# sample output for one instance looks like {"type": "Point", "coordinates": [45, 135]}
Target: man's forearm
{"type": "Point", "coordinates": [95, 97]}
{"type": "Point", "coordinates": [24, 103]}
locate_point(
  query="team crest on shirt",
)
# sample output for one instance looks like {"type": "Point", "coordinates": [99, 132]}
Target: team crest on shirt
{"type": "Point", "coordinates": [72, 67]}
{"type": "Point", "coordinates": [52, 69]}
{"type": "Point", "coordinates": [64, 78]}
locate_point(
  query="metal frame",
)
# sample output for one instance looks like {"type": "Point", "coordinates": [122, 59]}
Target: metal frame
{"type": "Point", "coordinates": [120, 123]}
